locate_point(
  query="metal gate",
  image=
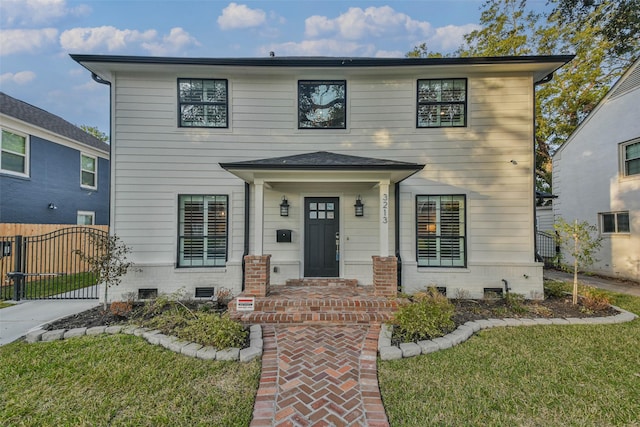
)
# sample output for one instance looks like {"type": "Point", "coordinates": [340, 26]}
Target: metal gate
{"type": "Point", "coordinates": [548, 248]}
{"type": "Point", "coordinates": [47, 266]}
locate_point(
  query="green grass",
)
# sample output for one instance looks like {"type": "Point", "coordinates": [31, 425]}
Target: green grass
{"type": "Point", "coordinates": [120, 380]}
{"type": "Point", "coordinates": [528, 376]}
{"type": "Point", "coordinates": [52, 285]}
{"type": "Point", "coordinates": [5, 304]}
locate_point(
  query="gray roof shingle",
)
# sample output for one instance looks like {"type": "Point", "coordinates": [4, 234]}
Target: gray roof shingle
{"type": "Point", "coordinates": [38, 117]}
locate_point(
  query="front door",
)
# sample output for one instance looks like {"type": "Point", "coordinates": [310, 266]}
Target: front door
{"type": "Point", "coordinates": [322, 237]}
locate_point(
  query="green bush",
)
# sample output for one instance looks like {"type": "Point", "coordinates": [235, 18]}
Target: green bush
{"type": "Point", "coordinates": [555, 289]}
{"type": "Point", "coordinates": [595, 299]}
{"type": "Point", "coordinates": [428, 316]}
{"type": "Point", "coordinates": [215, 330]}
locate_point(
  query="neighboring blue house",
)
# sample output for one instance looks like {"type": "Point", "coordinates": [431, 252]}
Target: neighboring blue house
{"type": "Point", "coordinates": [51, 172]}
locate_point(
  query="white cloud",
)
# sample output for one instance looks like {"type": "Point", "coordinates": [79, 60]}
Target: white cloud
{"type": "Point", "coordinates": [237, 16]}
{"type": "Point", "coordinates": [100, 38]}
{"type": "Point", "coordinates": [20, 78]}
{"type": "Point", "coordinates": [389, 54]}
{"type": "Point", "coordinates": [18, 41]}
{"type": "Point", "coordinates": [325, 47]}
{"type": "Point", "coordinates": [357, 23]}
{"type": "Point", "coordinates": [30, 12]}
{"type": "Point", "coordinates": [176, 41]}
{"type": "Point", "coordinates": [449, 37]}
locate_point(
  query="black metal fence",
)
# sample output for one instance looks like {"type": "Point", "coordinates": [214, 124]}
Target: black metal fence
{"type": "Point", "coordinates": [48, 266]}
{"type": "Point", "coordinates": [548, 249]}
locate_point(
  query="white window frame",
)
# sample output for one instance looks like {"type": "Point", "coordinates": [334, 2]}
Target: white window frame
{"type": "Point", "coordinates": [90, 214]}
{"type": "Point", "coordinates": [615, 223]}
{"type": "Point", "coordinates": [27, 145]}
{"type": "Point", "coordinates": [95, 172]}
{"type": "Point", "coordinates": [624, 160]}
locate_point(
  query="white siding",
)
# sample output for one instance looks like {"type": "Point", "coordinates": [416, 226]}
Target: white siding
{"type": "Point", "coordinates": [155, 161]}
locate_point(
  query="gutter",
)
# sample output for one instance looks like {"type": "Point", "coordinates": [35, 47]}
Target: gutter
{"type": "Point", "coordinates": [102, 81]}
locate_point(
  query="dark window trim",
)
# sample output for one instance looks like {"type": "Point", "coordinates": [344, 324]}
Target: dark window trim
{"type": "Point", "coordinates": [464, 236]}
{"type": "Point", "coordinates": [226, 249]}
{"type": "Point", "coordinates": [465, 103]}
{"type": "Point", "coordinates": [180, 103]}
{"type": "Point", "coordinates": [326, 81]}
{"type": "Point", "coordinates": [625, 161]}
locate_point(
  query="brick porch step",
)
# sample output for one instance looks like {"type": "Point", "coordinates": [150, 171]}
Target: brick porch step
{"type": "Point", "coordinates": [335, 305]}
{"type": "Point", "coordinates": [322, 282]}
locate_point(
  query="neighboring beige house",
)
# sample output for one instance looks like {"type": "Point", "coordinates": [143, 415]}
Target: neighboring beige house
{"type": "Point", "coordinates": [596, 176]}
{"type": "Point", "coordinates": [388, 172]}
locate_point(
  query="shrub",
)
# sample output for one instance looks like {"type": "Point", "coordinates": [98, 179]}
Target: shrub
{"type": "Point", "coordinates": [515, 302]}
{"type": "Point", "coordinates": [428, 316]}
{"type": "Point", "coordinates": [121, 308]}
{"type": "Point", "coordinates": [595, 299]}
{"type": "Point", "coordinates": [218, 331]}
{"type": "Point", "coordinates": [554, 289]}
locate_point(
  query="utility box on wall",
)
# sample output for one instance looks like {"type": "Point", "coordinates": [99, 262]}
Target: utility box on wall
{"type": "Point", "coordinates": [283, 236]}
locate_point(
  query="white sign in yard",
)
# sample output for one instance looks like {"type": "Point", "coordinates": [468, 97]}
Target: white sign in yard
{"type": "Point", "coordinates": [245, 303]}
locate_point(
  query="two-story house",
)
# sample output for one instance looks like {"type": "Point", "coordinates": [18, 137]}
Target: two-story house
{"type": "Point", "coordinates": [51, 172]}
{"type": "Point", "coordinates": [596, 176]}
{"type": "Point", "coordinates": [385, 172]}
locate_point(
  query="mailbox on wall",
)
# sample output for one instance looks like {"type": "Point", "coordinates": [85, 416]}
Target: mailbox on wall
{"type": "Point", "coordinates": [283, 236]}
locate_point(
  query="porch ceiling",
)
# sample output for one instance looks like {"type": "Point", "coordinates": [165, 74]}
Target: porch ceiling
{"type": "Point", "coordinates": [322, 166]}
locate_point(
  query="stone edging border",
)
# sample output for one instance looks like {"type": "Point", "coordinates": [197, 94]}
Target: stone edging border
{"type": "Point", "coordinates": [464, 332]}
{"type": "Point", "coordinates": [154, 336]}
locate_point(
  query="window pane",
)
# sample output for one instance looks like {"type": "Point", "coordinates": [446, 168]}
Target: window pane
{"type": "Point", "coordinates": [203, 231]}
{"type": "Point", "coordinates": [440, 228]}
{"type": "Point", "coordinates": [322, 104]}
{"type": "Point", "coordinates": [633, 167]}
{"type": "Point", "coordinates": [88, 163]}
{"type": "Point", "coordinates": [623, 222]}
{"type": "Point", "coordinates": [88, 179]}
{"type": "Point", "coordinates": [14, 143]}
{"type": "Point", "coordinates": [203, 103]}
{"type": "Point", "coordinates": [608, 223]}
{"type": "Point", "coordinates": [632, 151]}
{"type": "Point", "coordinates": [442, 102]}
{"type": "Point", "coordinates": [13, 162]}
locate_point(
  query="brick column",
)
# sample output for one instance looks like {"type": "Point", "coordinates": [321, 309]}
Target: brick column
{"type": "Point", "coordinates": [385, 276]}
{"type": "Point", "coordinates": [257, 275]}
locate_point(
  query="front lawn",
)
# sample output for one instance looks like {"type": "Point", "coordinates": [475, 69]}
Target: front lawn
{"type": "Point", "coordinates": [121, 380]}
{"type": "Point", "coordinates": [524, 376]}
{"type": "Point", "coordinates": [51, 285]}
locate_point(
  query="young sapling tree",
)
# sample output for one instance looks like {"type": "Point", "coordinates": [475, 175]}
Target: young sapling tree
{"type": "Point", "coordinates": [580, 240]}
{"type": "Point", "coordinates": [108, 262]}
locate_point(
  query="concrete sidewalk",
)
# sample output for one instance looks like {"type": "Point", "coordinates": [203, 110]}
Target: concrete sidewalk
{"type": "Point", "coordinates": [615, 285]}
{"type": "Point", "coordinates": [16, 321]}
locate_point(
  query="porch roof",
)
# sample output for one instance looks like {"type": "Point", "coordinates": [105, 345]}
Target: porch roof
{"type": "Point", "coordinates": [322, 165]}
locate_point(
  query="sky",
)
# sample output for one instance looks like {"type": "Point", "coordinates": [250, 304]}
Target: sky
{"type": "Point", "coordinates": [37, 36]}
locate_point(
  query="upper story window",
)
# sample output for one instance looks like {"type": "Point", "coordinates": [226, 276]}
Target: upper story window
{"type": "Point", "coordinates": [202, 103]}
{"type": "Point", "coordinates": [322, 104]}
{"type": "Point", "coordinates": [442, 103]}
{"type": "Point", "coordinates": [614, 222]}
{"type": "Point", "coordinates": [631, 158]}
{"type": "Point", "coordinates": [88, 171]}
{"type": "Point", "coordinates": [440, 222]}
{"type": "Point", "coordinates": [14, 153]}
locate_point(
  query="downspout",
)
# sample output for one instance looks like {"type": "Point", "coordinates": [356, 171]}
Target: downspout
{"type": "Point", "coordinates": [536, 256]}
{"type": "Point", "coordinates": [396, 196]}
{"type": "Point", "coordinates": [102, 81]}
{"type": "Point", "coordinates": [247, 195]}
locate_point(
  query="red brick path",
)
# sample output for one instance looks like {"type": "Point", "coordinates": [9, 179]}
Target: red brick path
{"type": "Point", "coordinates": [319, 376]}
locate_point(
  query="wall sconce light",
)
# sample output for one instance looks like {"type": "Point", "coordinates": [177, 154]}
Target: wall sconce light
{"type": "Point", "coordinates": [52, 206]}
{"type": "Point", "coordinates": [284, 207]}
{"type": "Point", "coordinates": [359, 206]}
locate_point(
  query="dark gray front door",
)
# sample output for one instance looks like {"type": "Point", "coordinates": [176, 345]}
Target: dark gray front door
{"type": "Point", "coordinates": [322, 238]}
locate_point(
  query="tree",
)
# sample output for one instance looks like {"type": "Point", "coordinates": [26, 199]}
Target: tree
{"type": "Point", "coordinates": [109, 262]}
{"type": "Point", "coordinates": [421, 51]}
{"type": "Point", "coordinates": [580, 240]}
{"type": "Point", "coordinates": [92, 130]}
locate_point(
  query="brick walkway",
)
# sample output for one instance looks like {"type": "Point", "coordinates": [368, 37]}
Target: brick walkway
{"type": "Point", "coordinates": [319, 376]}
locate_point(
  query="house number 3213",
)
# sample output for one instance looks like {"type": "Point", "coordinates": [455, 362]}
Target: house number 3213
{"type": "Point", "coordinates": [385, 208]}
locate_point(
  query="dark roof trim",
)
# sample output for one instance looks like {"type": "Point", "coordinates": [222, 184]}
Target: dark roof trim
{"type": "Point", "coordinates": [35, 116]}
{"type": "Point", "coordinates": [322, 61]}
{"type": "Point", "coordinates": [322, 160]}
